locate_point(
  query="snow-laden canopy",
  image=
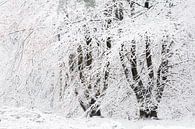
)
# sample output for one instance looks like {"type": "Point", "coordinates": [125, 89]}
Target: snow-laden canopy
{"type": "Point", "coordinates": [37, 39]}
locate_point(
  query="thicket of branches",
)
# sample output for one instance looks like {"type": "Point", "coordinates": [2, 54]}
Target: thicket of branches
{"type": "Point", "coordinates": [125, 58]}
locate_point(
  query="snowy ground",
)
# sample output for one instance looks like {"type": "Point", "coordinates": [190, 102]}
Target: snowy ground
{"type": "Point", "coordinates": [21, 118]}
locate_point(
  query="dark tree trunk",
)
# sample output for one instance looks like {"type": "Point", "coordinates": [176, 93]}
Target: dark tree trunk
{"type": "Point", "coordinates": [89, 53]}
{"type": "Point", "coordinates": [85, 60]}
{"type": "Point", "coordinates": [162, 74]}
{"type": "Point", "coordinates": [148, 110]}
{"type": "Point", "coordinates": [148, 107]}
{"type": "Point", "coordinates": [72, 62]}
{"type": "Point", "coordinates": [132, 7]}
{"type": "Point", "coordinates": [139, 89]}
{"type": "Point", "coordinates": [119, 14]}
{"type": "Point", "coordinates": [80, 63]}
{"type": "Point", "coordinates": [146, 4]}
{"type": "Point", "coordinates": [95, 113]}
{"type": "Point", "coordinates": [108, 43]}
{"type": "Point", "coordinates": [149, 61]}
{"type": "Point", "coordinates": [94, 109]}
{"type": "Point", "coordinates": [148, 114]}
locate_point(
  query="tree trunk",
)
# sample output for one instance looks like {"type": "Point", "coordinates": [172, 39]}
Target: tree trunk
{"type": "Point", "coordinates": [95, 111]}
{"type": "Point", "coordinates": [146, 5]}
{"type": "Point", "coordinates": [162, 74]}
{"type": "Point", "coordinates": [85, 60]}
{"type": "Point", "coordinates": [91, 109]}
{"type": "Point", "coordinates": [148, 113]}
{"type": "Point", "coordinates": [119, 12]}
{"type": "Point", "coordinates": [148, 110]}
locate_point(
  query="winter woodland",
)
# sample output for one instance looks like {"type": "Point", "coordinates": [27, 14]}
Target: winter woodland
{"type": "Point", "coordinates": [124, 59]}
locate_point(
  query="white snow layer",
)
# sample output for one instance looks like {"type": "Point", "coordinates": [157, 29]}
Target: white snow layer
{"type": "Point", "coordinates": [21, 118]}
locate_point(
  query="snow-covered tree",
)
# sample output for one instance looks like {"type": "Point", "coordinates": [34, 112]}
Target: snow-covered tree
{"type": "Point", "coordinates": [115, 58]}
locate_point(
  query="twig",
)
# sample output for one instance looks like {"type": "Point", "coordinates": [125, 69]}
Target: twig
{"type": "Point", "coordinates": [4, 2]}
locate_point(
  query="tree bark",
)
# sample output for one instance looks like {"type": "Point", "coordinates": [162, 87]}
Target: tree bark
{"type": "Point", "coordinates": [148, 114]}
{"type": "Point", "coordinates": [148, 110]}
{"type": "Point", "coordinates": [95, 111]}
{"type": "Point", "coordinates": [119, 12]}
{"type": "Point", "coordinates": [162, 74]}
